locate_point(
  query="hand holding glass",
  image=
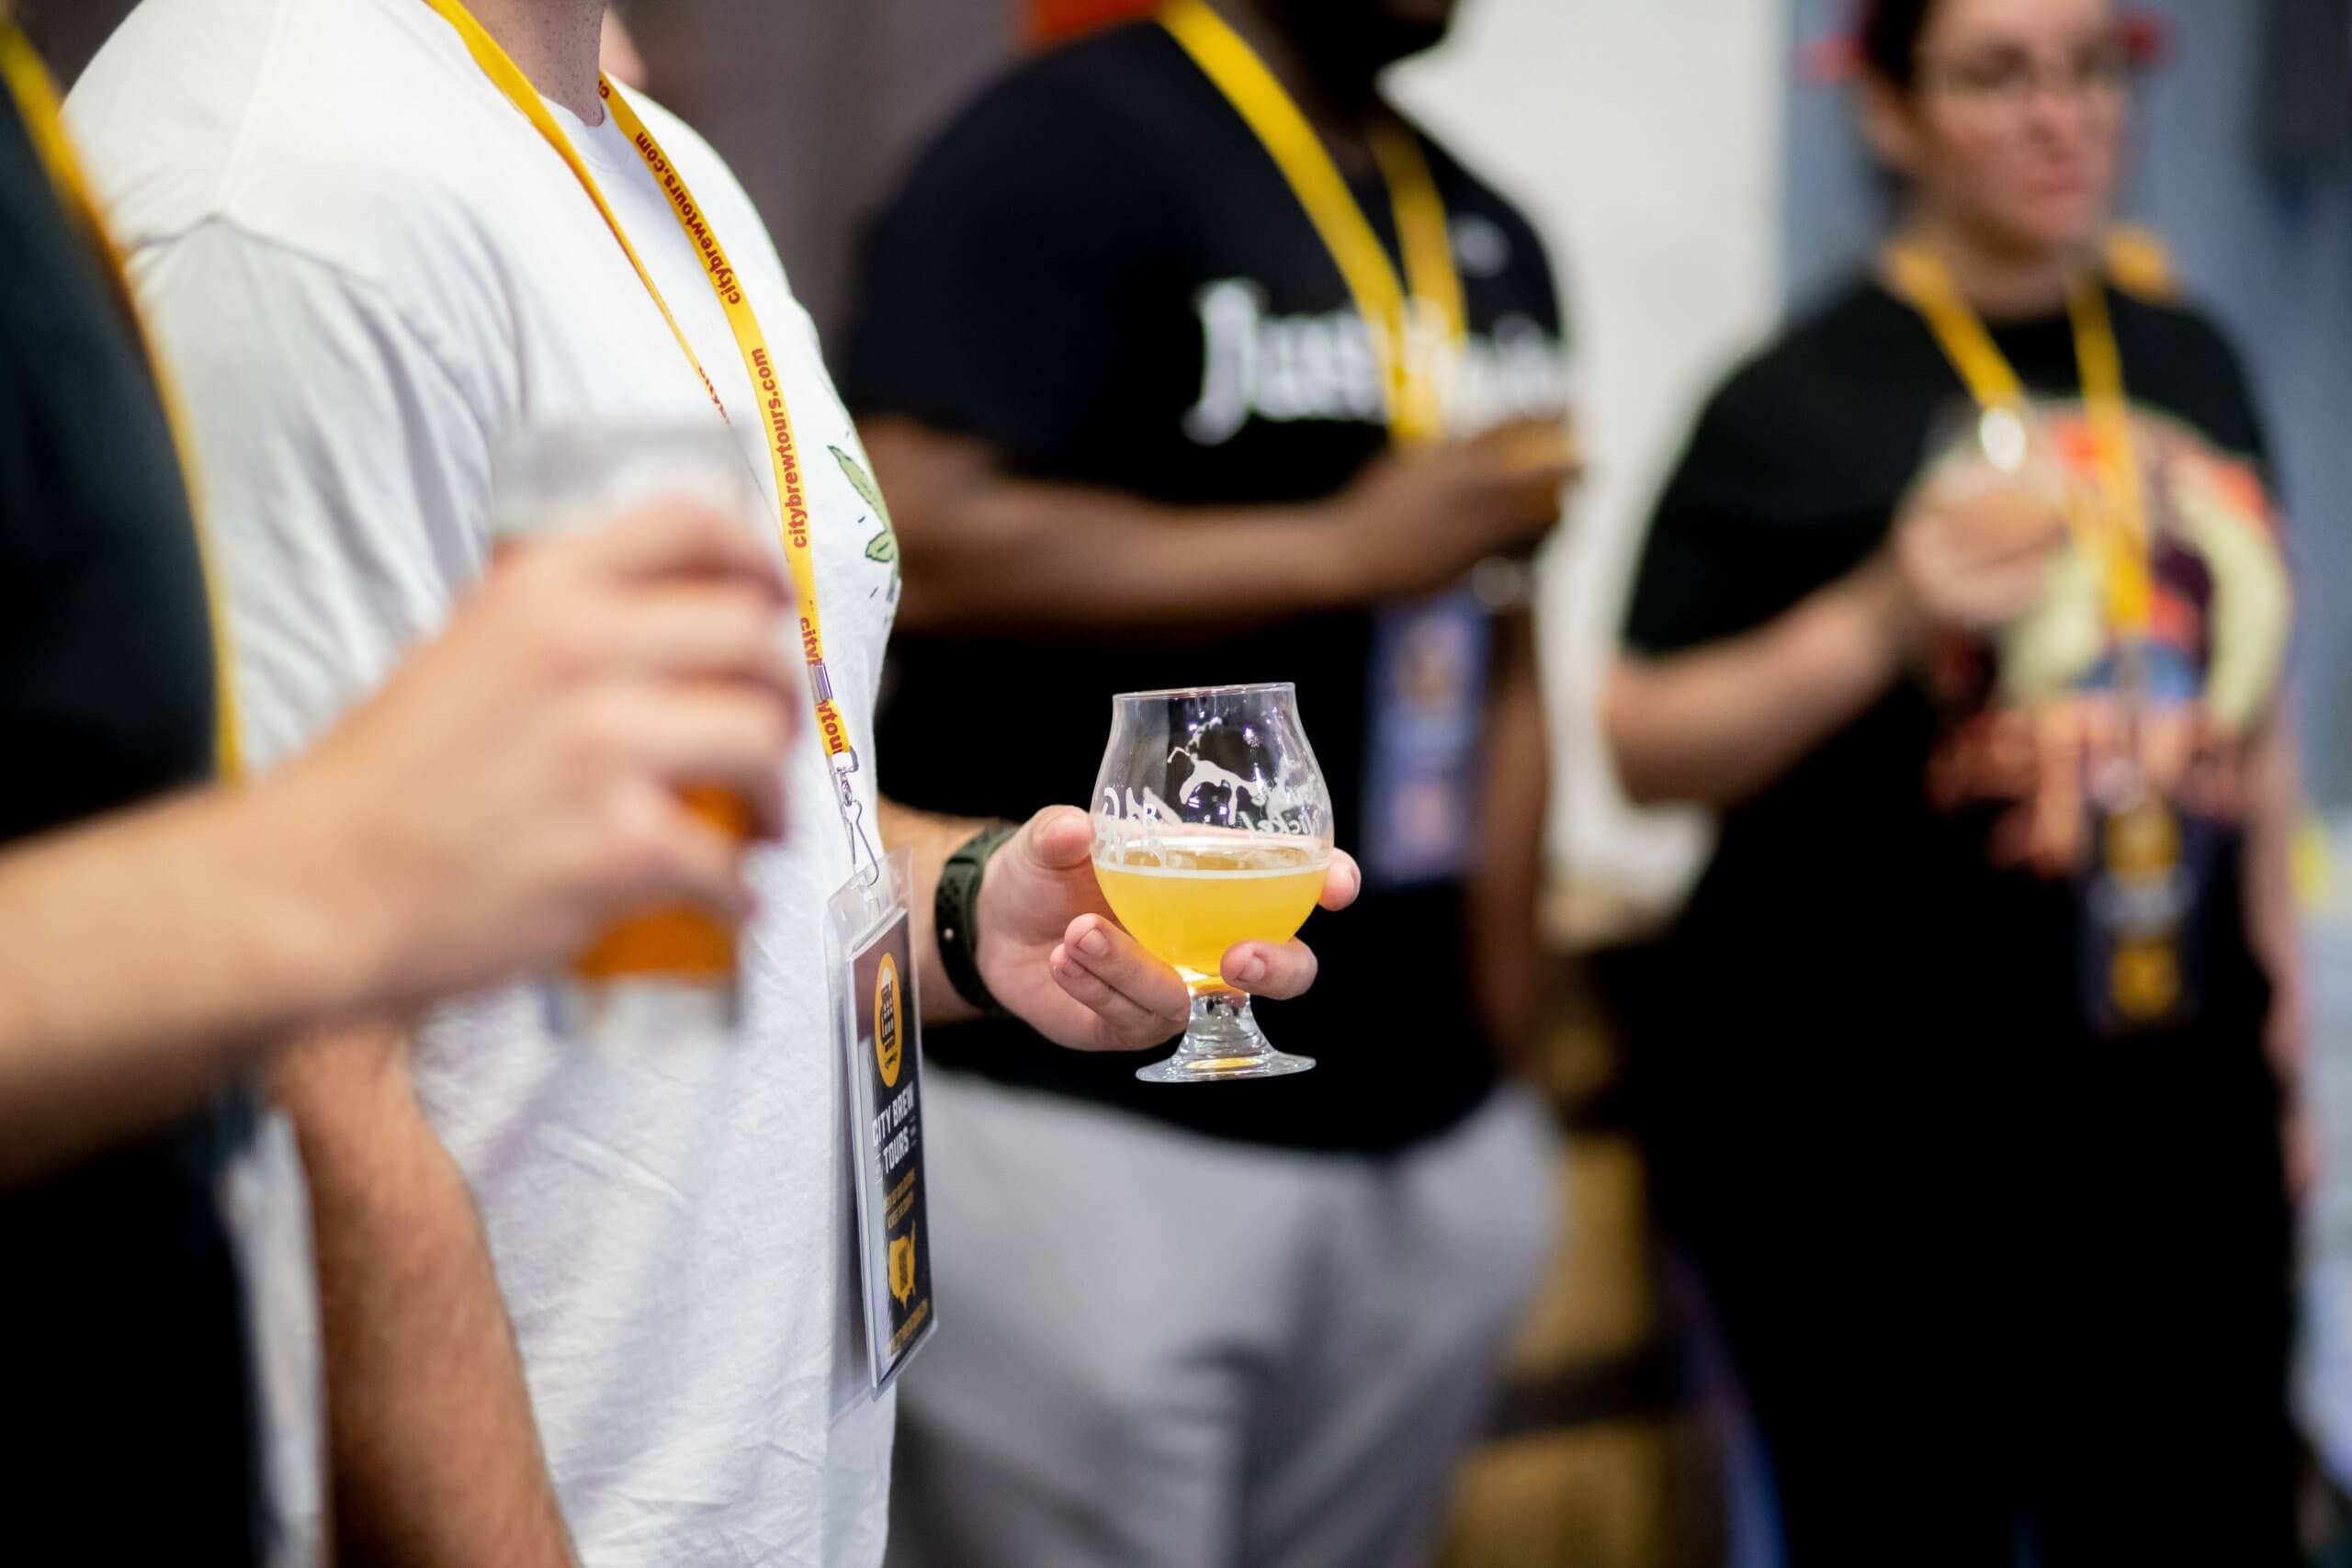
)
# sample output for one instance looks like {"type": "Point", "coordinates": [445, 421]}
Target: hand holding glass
{"type": "Point", "coordinates": [1211, 828]}
{"type": "Point", "coordinates": [668, 976]}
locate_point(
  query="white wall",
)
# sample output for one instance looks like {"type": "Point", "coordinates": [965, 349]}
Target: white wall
{"type": "Point", "coordinates": [1644, 138]}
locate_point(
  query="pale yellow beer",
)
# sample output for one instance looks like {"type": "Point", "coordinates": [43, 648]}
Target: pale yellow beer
{"type": "Point", "coordinates": [1189, 899]}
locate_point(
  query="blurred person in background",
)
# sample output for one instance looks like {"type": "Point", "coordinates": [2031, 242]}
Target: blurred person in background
{"type": "Point", "coordinates": [1126, 398]}
{"type": "Point", "coordinates": [382, 240]}
{"type": "Point", "coordinates": [164, 938]}
{"type": "Point", "coordinates": [1984, 1185]}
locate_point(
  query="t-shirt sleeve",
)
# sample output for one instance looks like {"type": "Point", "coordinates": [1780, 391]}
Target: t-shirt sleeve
{"type": "Point", "coordinates": [997, 291]}
{"type": "Point", "coordinates": [1788, 483]}
{"type": "Point", "coordinates": [339, 461]}
{"type": "Point", "coordinates": [1697, 579]}
{"type": "Point", "coordinates": [2236, 422]}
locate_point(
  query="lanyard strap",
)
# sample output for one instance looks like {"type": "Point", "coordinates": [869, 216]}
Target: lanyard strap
{"type": "Point", "coordinates": [1400, 332]}
{"type": "Point", "coordinates": [34, 92]}
{"type": "Point", "coordinates": [759, 364]}
{"type": "Point", "coordinates": [2117, 530]}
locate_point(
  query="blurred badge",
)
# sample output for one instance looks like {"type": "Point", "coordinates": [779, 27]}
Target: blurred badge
{"type": "Point", "coordinates": [1429, 707]}
{"type": "Point", "coordinates": [2137, 915]}
{"type": "Point", "coordinates": [870, 945]}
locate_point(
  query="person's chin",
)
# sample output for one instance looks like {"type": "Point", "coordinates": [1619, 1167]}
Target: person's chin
{"type": "Point", "coordinates": [2060, 222]}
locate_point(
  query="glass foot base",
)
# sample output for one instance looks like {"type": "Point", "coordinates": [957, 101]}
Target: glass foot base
{"type": "Point", "coordinates": [1223, 1043]}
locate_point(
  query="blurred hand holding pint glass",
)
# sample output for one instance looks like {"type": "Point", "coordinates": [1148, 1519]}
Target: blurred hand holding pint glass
{"type": "Point", "coordinates": [1212, 827]}
{"type": "Point", "coordinates": [666, 976]}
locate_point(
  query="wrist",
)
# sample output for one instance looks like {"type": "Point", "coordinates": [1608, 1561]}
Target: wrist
{"type": "Point", "coordinates": [956, 915]}
{"type": "Point", "coordinates": [326, 920]}
{"type": "Point", "coordinates": [1339, 572]}
{"type": "Point", "coordinates": [1893, 630]}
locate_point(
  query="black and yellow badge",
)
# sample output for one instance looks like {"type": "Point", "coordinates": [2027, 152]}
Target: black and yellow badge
{"type": "Point", "coordinates": [870, 939]}
{"type": "Point", "coordinates": [2138, 906]}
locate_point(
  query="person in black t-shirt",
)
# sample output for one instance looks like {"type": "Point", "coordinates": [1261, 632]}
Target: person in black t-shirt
{"type": "Point", "coordinates": [481, 818]}
{"type": "Point", "coordinates": [1134, 436]}
{"type": "Point", "coordinates": [1990, 1209]}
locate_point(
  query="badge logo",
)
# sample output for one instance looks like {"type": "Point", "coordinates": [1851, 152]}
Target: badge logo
{"type": "Point", "coordinates": [2145, 979]}
{"type": "Point", "coordinates": [902, 1268]}
{"type": "Point", "coordinates": [889, 1022]}
{"type": "Point", "coordinates": [2142, 844]}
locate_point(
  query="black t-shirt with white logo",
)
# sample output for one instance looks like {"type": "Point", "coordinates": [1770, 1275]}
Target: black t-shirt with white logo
{"type": "Point", "coordinates": [1098, 271]}
{"type": "Point", "coordinates": [127, 1406]}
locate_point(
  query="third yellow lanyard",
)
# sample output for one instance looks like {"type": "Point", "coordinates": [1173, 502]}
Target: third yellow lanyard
{"type": "Point", "coordinates": [2121, 537]}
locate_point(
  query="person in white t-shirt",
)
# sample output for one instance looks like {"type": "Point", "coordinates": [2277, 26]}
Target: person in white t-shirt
{"type": "Point", "coordinates": [371, 270]}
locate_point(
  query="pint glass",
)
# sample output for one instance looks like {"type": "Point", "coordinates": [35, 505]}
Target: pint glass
{"type": "Point", "coordinates": [665, 975]}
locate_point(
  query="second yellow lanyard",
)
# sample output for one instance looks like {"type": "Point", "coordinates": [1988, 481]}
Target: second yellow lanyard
{"type": "Point", "coordinates": [1415, 368]}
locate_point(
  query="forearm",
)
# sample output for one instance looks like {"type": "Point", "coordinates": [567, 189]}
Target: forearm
{"type": "Point", "coordinates": [988, 551]}
{"type": "Point", "coordinates": [1506, 886]}
{"type": "Point", "coordinates": [435, 1456]}
{"type": "Point", "coordinates": [1713, 726]}
{"type": "Point", "coordinates": [2272, 927]}
{"type": "Point", "coordinates": [149, 955]}
{"type": "Point", "coordinates": [933, 839]}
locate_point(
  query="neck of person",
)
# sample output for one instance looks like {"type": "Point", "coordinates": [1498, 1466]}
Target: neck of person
{"type": "Point", "coordinates": [1344, 113]}
{"type": "Point", "coordinates": [555, 42]}
{"type": "Point", "coordinates": [2005, 281]}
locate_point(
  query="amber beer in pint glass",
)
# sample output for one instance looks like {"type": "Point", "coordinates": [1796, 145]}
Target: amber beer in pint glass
{"type": "Point", "coordinates": [665, 976]}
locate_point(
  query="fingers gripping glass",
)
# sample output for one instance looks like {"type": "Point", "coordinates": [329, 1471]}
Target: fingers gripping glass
{"type": "Point", "coordinates": [664, 976]}
{"type": "Point", "coordinates": [1212, 827]}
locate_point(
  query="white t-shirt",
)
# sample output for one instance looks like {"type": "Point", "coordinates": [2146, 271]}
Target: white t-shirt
{"type": "Point", "coordinates": [367, 271]}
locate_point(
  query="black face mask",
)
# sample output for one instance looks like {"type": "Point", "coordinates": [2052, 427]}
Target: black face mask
{"type": "Point", "coordinates": [1347, 43]}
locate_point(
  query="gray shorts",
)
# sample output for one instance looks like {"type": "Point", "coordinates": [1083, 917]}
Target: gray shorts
{"type": "Point", "coordinates": [1159, 1350]}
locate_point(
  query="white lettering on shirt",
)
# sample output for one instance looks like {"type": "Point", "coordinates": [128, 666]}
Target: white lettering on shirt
{"type": "Point", "coordinates": [1287, 368]}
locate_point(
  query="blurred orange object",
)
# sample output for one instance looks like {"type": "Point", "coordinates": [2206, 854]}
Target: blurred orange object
{"type": "Point", "coordinates": [1052, 20]}
{"type": "Point", "coordinates": [680, 944]}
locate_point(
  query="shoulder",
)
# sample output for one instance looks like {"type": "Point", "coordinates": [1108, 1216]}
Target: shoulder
{"type": "Point", "coordinates": [355, 132]}
{"type": "Point", "coordinates": [1106, 80]}
{"type": "Point", "coordinates": [2178, 326]}
{"type": "Point", "coordinates": [1798, 388]}
{"type": "Point", "coordinates": [1071, 123]}
{"type": "Point", "coordinates": [2181, 358]}
{"type": "Point", "coordinates": [1471, 193]}
{"type": "Point", "coordinates": [1503, 258]}
{"type": "Point", "coordinates": [708, 173]}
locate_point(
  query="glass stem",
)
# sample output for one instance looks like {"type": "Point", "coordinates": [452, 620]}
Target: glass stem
{"type": "Point", "coordinates": [1222, 1026]}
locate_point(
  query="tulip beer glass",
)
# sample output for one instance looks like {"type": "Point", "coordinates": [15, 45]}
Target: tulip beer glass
{"type": "Point", "coordinates": [1212, 827]}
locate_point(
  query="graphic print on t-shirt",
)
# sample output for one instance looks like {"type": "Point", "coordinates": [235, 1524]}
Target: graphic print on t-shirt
{"type": "Point", "coordinates": [1257, 365]}
{"type": "Point", "coordinates": [2038, 713]}
{"type": "Point", "coordinates": [882, 547]}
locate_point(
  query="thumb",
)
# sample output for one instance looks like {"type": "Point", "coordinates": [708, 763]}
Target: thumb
{"type": "Point", "coordinates": [1060, 837]}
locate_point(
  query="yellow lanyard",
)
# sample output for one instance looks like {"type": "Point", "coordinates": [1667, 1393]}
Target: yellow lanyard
{"type": "Point", "coordinates": [759, 364]}
{"type": "Point", "coordinates": [36, 97]}
{"type": "Point", "coordinates": [2118, 533]}
{"type": "Point", "coordinates": [1411, 369]}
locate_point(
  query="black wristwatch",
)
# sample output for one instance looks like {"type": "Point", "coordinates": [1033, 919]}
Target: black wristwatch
{"type": "Point", "coordinates": [956, 913]}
